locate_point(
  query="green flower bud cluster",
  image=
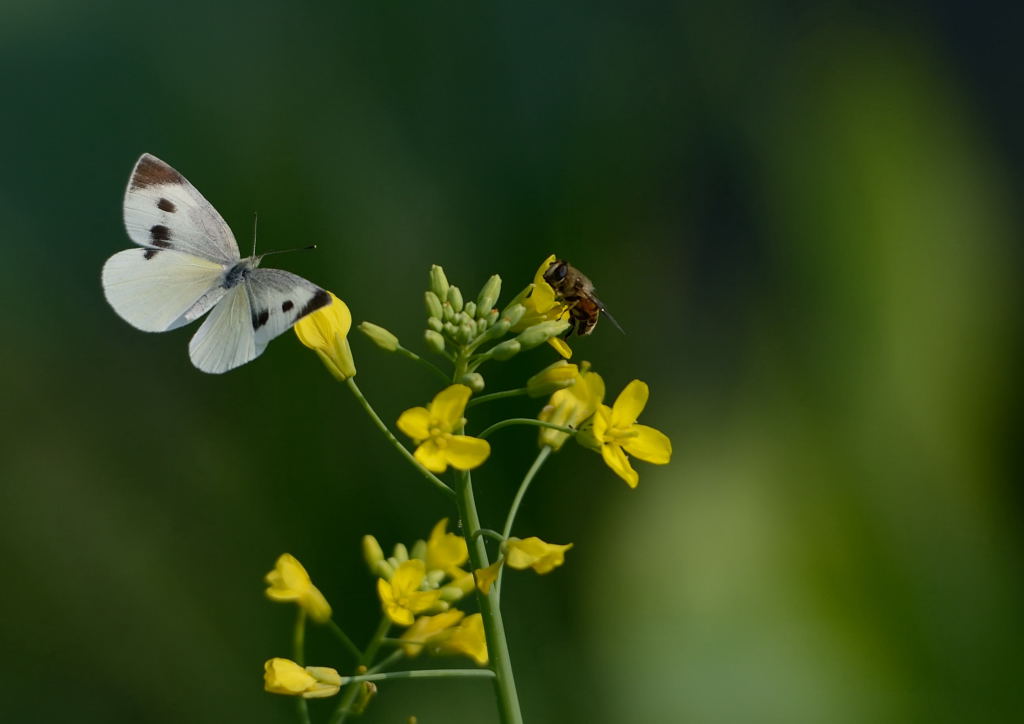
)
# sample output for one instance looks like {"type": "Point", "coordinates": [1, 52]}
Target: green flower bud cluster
{"type": "Point", "coordinates": [455, 326]}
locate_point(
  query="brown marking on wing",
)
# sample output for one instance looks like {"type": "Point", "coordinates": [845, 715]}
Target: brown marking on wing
{"type": "Point", "coordinates": [151, 171]}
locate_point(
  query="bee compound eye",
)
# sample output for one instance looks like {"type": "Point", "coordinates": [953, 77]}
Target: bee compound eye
{"type": "Point", "coordinates": [560, 271]}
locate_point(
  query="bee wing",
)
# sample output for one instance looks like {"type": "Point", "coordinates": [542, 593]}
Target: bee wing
{"type": "Point", "coordinates": [605, 312]}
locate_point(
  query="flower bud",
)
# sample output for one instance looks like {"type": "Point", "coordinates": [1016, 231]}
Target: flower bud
{"type": "Point", "coordinates": [470, 309]}
{"type": "Point", "coordinates": [419, 550]}
{"type": "Point", "coordinates": [379, 336]}
{"type": "Point", "coordinates": [455, 298]}
{"type": "Point", "coordinates": [500, 328]}
{"type": "Point", "coordinates": [541, 332]}
{"type": "Point", "coordinates": [435, 324]}
{"type": "Point", "coordinates": [434, 341]}
{"type": "Point", "coordinates": [473, 380]}
{"type": "Point", "coordinates": [438, 282]}
{"type": "Point", "coordinates": [451, 593]}
{"type": "Point", "coordinates": [557, 376]}
{"type": "Point", "coordinates": [372, 552]}
{"type": "Point", "coordinates": [434, 309]}
{"type": "Point", "coordinates": [435, 577]}
{"type": "Point", "coordinates": [506, 350]}
{"type": "Point", "coordinates": [488, 295]}
{"type": "Point", "coordinates": [447, 313]}
{"type": "Point", "coordinates": [450, 330]}
{"type": "Point", "coordinates": [482, 326]}
{"type": "Point", "coordinates": [465, 332]}
{"type": "Point", "coordinates": [513, 314]}
{"type": "Point", "coordinates": [383, 569]}
{"type": "Point", "coordinates": [401, 552]}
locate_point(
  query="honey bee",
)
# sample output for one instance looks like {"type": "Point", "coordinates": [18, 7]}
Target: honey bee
{"type": "Point", "coordinates": [577, 291]}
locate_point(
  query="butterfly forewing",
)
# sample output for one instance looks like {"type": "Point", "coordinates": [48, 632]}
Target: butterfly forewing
{"type": "Point", "coordinates": [279, 299]}
{"type": "Point", "coordinates": [162, 210]}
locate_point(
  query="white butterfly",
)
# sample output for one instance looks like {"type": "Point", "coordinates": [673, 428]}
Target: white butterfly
{"type": "Point", "coordinates": [189, 264]}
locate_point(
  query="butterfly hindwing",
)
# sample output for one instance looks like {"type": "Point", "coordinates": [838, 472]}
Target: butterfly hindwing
{"type": "Point", "coordinates": [162, 210]}
{"type": "Point", "coordinates": [154, 290]}
{"type": "Point", "coordinates": [226, 339]}
{"type": "Point", "coordinates": [279, 299]}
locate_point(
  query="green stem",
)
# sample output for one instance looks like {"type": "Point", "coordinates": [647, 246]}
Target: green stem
{"type": "Point", "coordinates": [542, 456]}
{"type": "Point", "coordinates": [351, 382]}
{"type": "Point", "coordinates": [391, 658]}
{"type": "Point", "coordinates": [426, 674]}
{"type": "Point", "coordinates": [494, 629]}
{"type": "Point", "coordinates": [525, 421]}
{"type": "Point", "coordinates": [497, 396]}
{"type": "Point", "coordinates": [344, 638]}
{"type": "Point", "coordinates": [492, 534]}
{"type": "Point", "coordinates": [299, 657]}
{"type": "Point", "coordinates": [426, 363]}
{"type": "Point", "coordinates": [352, 691]}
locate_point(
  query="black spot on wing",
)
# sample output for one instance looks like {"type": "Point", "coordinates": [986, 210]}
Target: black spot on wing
{"type": "Point", "coordinates": [287, 305]}
{"type": "Point", "coordinates": [150, 253]}
{"type": "Point", "coordinates": [320, 299]}
{"type": "Point", "coordinates": [258, 320]}
{"type": "Point", "coordinates": [151, 171]}
{"type": "Point", "coordinates": [160, 236]}
{"type": "Point", "coordinates": [166, 205]}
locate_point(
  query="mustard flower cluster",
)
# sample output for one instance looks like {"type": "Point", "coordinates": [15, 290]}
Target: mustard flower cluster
{"type": "Point", "coordinates": [443, 593]}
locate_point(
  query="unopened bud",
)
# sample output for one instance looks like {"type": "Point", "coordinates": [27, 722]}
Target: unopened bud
{"type": "Point", "coordinates": [434, 309]}
{"type": "Point", "coordinates": [383, 569]}
{"type": "Point", "coordinates": [451, 593]}
{"type": "Point", "coordinates": [438, 282]}
{"type": "Point", "coordinates": [473, 380]}
{"type": "Point", "coordinates": [541, 332]}
{"type": "Point", "coordinates": [379, 336]}
{"type": "Point", "coordinates": [470, 309]}
{"type": "Point", "coordinates": [435, 324]}
{"type": "Point", "coordinates": [419, 550]}
{"type": "Point", "coordinates": [372, 552]}
{"type": "Point", "coordinates": [401, 553]}
{"type": "Point", "coordinates": [465, 332]}
{"type": "Point", "coordinates": [506, 350]}
{"type": "Point", "coordinates": [513, 314]}
{"type": "Point", "coordinates": [434, 340]}
{"type": "Point", "coordinates": [557, 376]}
{"type": "Point", "coordinates": [455, 298]}
{"type": "Point", "coordinates": [488, 295]}
{"type": "Point", "coordinates": [435, 577]}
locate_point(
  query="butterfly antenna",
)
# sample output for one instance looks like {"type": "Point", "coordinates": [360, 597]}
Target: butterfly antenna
{"type": "Point", "coordinates": [285, 251]}
{"type": "Point", "coordinates": [255, 221]}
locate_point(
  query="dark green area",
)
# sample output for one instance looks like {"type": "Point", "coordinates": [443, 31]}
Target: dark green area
{"type": "Point", "coordinates": [804, 215]}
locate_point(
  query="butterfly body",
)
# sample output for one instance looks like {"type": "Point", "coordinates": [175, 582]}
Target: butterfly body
{"type": "Point", "coordinates": [187, 264]}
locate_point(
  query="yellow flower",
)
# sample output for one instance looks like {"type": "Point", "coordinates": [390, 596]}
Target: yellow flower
{"type": "Point", "coordinates": [290, 582]}
{"type": "Point", "coordinates": [543, 305]}
{"type": "Point", "coordinates": [467, 638]}
{"type": "Point", "coordinates": [552, 378]}
{"type": "Point", "coordinates": [445, 551]}
{"type": "Point", "coordinates": [284, 676]}
{"type": "Point", "coordinates": [486, 576]}
{"type": "Point", "coordinates": [401, 596]}
{"type": "Point", "coordinates": [534, 553]}
{"type": "Point", "coordinates": [615, 433]}
{"type": "Point", "coordinates": [571, 407]}
{"type": "Point", "coordinates": [427, 629]}
{"type": "Point", "coordinates": [325, 331]}
{"type": "Point", "coordinates": [432, 429]}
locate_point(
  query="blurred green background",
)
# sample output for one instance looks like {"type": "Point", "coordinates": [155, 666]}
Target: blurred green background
{"type": "Point", "coordinates": [804, 214]}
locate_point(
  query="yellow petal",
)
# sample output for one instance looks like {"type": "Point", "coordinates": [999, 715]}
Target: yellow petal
{"type": "Point", "coordinates": [465, 453]}
{"type": "Point", "coordinates": [593, 384]}
{"type": "Point", "coordinates": [432, 456]}
{"type": "Point", "coordinates": [448, 405]}
{"type": "Point", "coordinates": [415, 422]}
{"type": "Point", "coordinates": [534, 553]}
{"type": "Point", "coordinates": [408, 576]}
{"type": "Point", "coordinates": [420, 601]}
{"type": "Point", "coordinates": [486, 576]}
{"type": "Point", "coordinates": [600, 422]}
{"type": "Point", "coordinates": [284, 676]}
{"type": "Point", "coordinates": [629, 404]}
{"type": "Point", "coordinates": [445, 551]}
{"type": "Point", "coordinates": [427, 627]}
{"type": "Point", "coordinates": [561, 346]}
{"type": "Point", "coordinates": [648, 444]}
{"type": "Point", "coordinates": [318, 330]}
{"type": "Point", "coordinates": [616, 459]}
{"type": "Point", "coordinates": [316, 605]}
{"type": "Point", "coordinates": [468, 638]}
